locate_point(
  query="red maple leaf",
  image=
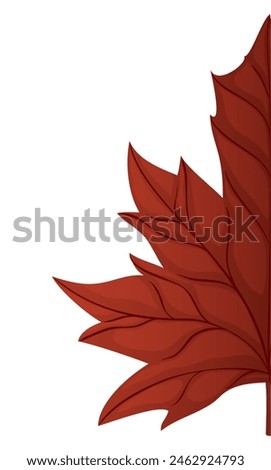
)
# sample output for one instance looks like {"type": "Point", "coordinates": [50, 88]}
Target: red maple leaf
{"type": "Point", "coordinates": [201, 322]}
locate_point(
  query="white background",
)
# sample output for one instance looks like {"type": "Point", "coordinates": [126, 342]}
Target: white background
{"type": "Point", "coordinates": [79, 80]}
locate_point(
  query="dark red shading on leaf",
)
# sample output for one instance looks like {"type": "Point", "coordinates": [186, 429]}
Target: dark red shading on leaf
{"type": "Point", "coordinates": [201, 322]}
